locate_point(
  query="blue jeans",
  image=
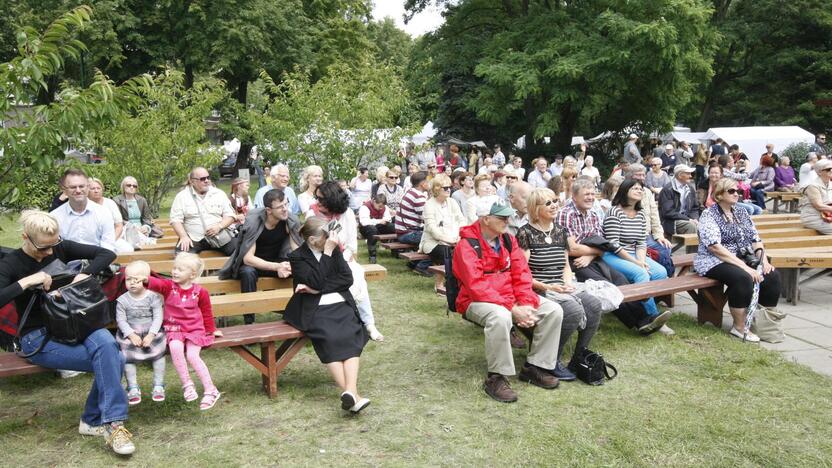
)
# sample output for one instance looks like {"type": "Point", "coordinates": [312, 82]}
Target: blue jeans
{"type": "Point", "coordinates": [107, 400]}
{"type": "Point", "coordinates": [758, 196]}
{"type": "Point", "coordinates": [636, 274]}
{"type": "Point", "coordinates": [751, 208]}
{"type": "Point", "coordinates": [665, 256]}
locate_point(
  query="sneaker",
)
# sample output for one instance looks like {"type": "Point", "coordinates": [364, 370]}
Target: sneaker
{"type": "Point", "coordinates": [666, 331]}
{"type": "Point", "coordinates": [68, 374]}
{"type": "Point", "coordinates": [517, 341]}
{"type": "Point", "coordinates": [750, 337]}
{"type": "Point", "coordinates": [375, 335]}
{"type": "Point", "coordinates": [563, 373]}
{"type": "Point", "coordinates": [134, 395]}
{"type": "Point", "coordinates": [158, 393]}
{"type": "Point", "coordinates": [538, 377]}
{"type": "Point", "coordinates": [655, 323]}
{"type": "Point", "coordinates": [121, 440]}
{"type": "Point", "coordinates": [360, 405]}
{"type": "Point", "coordinates": [497, 387]}
{"type": "Point", "coordinates": [372, 259]}
{"type": "Point", "coordinates": [209, 400]}
{"type": "Point", "coordinates": [86, 429]}
{"type": "Point", "coordinates": [423, 272]}
{"type": "Point", "coordinates": [347, 401]}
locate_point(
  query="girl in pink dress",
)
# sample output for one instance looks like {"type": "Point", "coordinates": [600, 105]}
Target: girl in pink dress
{"type": "Point", "coordinates": [189, 325]}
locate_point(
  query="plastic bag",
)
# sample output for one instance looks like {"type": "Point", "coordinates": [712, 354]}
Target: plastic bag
{"type": "Point", "coordinates": [607, 293]}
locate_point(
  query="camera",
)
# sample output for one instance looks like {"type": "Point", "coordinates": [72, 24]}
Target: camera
{"type": "Point", "coordinates": [749, 256]}
{"type": "Point", "coordinates": [331, 226]}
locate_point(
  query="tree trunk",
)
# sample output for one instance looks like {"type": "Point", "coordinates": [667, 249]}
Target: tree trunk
{"type": "Point", "coordinates": [189, 76]}
{"type": "Point", "coordinates": [245, 146]}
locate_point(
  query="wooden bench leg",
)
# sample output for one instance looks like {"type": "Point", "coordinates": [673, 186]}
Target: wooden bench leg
{"type": "Point", "coordinates": [776, 207]}
{"type": "Point", "coordinates": [267, 357]}
{"type": "Point", "coordinates": [710, 302]}
{"type": "Point", "coordinates": [271, 361]}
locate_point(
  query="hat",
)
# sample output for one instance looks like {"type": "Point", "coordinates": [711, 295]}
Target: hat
{"type": "Point", "coordinates": [633, 136]}
{"type": "Point", "coordinates": [500, 208]}
{"type": "Point", "coordinates": [668, 146]}
{"type": "Point", "coordinates": [682, 168]}
{"type": "Point", "coordinates": [822, 164]}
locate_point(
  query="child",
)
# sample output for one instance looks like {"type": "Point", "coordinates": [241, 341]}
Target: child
{"type": "Point", "coordinates": [139, 320]}
{"type": "Point", "coordinates": [189, 325]}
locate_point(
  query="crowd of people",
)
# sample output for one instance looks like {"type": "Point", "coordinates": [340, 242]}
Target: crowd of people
{"type": "Point", "coordinates": [532, 252]}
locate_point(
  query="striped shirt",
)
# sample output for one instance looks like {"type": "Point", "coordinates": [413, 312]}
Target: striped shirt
{"type": "Point", "coordinates": [409, 216]}
{"type": "Point", "coordinates": [547, 259]}
{"type": "Point", "coordinates": [624, 232]}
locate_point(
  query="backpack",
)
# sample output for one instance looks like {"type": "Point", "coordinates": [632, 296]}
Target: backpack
{"type": "Point", "coordinates": [451, 284]}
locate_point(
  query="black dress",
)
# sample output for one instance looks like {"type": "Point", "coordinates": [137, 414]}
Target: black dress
{"type": "Point", "coordinates": [335, 330]}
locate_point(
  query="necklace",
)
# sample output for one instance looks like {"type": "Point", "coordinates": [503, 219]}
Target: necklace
{"type": "Point", "coordinates": [548, 237]}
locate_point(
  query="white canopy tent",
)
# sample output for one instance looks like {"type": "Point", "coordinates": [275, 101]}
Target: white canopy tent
{"type": "Point", "coordinates": [521, 142]}
{"type": "Point", "coordinates": [753, 140]}
{"type": "Point", "coordinates": [428, 132]}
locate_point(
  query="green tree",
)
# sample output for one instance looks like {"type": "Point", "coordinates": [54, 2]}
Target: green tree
{"type": "Point", "coordinates": [392, 45]}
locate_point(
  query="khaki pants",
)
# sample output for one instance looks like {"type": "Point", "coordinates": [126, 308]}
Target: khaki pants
{"type": "Point", "coordinates": [685, 227]}
{"type": "Point", "coordinates": [496, 321]}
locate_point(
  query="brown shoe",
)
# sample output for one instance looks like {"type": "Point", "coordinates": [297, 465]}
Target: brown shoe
{"type": "Point", "coordinates": [517, 341]}
{"type": "Point", "coordinates": [497, 387]}
{"type": "Point", "coordinates": [537, 376]}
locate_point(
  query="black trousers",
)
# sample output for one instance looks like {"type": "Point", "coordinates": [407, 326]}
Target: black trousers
{"type": "Point", "coordinates": [741, 286]}
{"type": "Point", "coordinates": [438, 254]}
{"type": "Point", "coordinates": [631, 314]}
{"type": "Point", "coordinates": [370, 232]}
{"type": "Point", "coordinates": [248, 283]}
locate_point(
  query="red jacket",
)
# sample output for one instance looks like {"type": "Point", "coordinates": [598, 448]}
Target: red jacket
{"type": "Point", "coordinates": [494, 278]}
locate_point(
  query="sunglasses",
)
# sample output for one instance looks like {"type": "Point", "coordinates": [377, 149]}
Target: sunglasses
{"type": "Point", "coordinates": [45, 247]}
{"type": "Point", "coordinates": [550, 202]}
{"type": "Point", "coordinates": [732, 191]}
{"type": "Point", "coordinates": [447, 189]}
{"type": "Point", "coordinates": [827, 169]}
{"type": "Point", "coordinates": [131, 185]}
{"type": "Point", "coordinates": [511, 177]}
{"type": "Point", "coordinates": [392, 177]}
{"type": "Point", "coordinates": [202, 179]}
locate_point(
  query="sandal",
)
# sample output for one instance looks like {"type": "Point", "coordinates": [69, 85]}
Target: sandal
{"type": "Point", "coordinates": [189, 392]}
{"type": "Point", "coordinates": [158, 393]}
{"type": "Point", "coordinates": [209, 400]}
{"type": "Point", "coordinates": [134, 395]}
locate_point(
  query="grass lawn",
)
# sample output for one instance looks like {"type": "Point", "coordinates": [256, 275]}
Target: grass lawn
{"type": "Point", "coordinates": [699, 398]}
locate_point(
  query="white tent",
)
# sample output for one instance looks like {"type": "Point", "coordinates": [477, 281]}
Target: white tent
{"type": "Point", "coordinates": [753, 140]}
{"type": "Point", "coordinates": [521, 142]}
{"type": "Point", "coordinates": [428, 132]}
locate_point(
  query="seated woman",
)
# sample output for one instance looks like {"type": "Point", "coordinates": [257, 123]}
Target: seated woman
{"type": "Point", "coordinates": [762, 181]}
{"type": "Point", "coordinates": [20, 272]}
{"type": "Point", "coordinates": [707, 187]}
{"type": "Point", "coordinates": [310, 179]}
{"type": "Point", "coordinates": [240, 200]}
{"type": "Point", "coordinates": [656, 178]}
{"type": "Point", "coordinates": [625, 227]}
{"type": "Point", "coordinates": [569, 176]}
{"type": "Point", "coordinates": [96, 194]}
{"type": "Point", "coordinates": [784, 180]}
{"type": "Point", "coordinates": [443, 218]}
{"type": "Point", "coordinates": [323, 308]}
{"type": "Point", "coordinates": [591, 171]}
{"type": "Point", "coordinates": [545, 245]}
{"type": "Point", "coordinates": [723, 231]}
{"type": "Point", "coordinates": [134, 208]}
{"type": "Point", "coordinates": [816, 203]}
{"type": "Point", "coordinates": [607, 194]}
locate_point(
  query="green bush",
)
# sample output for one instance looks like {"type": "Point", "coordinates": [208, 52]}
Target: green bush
{"type": "Point", "coordinates": [796, 152]}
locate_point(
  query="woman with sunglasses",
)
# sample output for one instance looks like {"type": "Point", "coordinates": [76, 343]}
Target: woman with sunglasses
{"type": "Point", "coordinates": [20, 273]}
{"type": "Point", "coordinates": [443, 218]}
{"type": "Point", "coordinates": [656, 178]}
{"type": "Point", "coordinates": [134, 208]}
{"type": "Point", "coordinates": [724, 230]}
{"type": "Point", "coordinates": [392, 191]}
{"type": "Point", "coordinates": [545, 244]}
{"type": "Point", "coordinates": [816, 203]}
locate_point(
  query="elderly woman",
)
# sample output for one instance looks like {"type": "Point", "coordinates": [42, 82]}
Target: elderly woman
{"type": "Point", "coordinates": [21, 272]}
{"type": "Point", "coordinates": [443, 218]}
{"type": "Point", "coordinates": [310, 179]}
{"type": "Point", "coordinates": [545, 245]}
{"type": "Point", "coordinates": [784, 180]}
{"type": "Point", "coordinates": [725, 230]}
{"type": "Point", "coordinates": [134, 208]}
{"type": "Point", "coordinates": [762, 181]}
{"type": "Point", "coordinates": [379, 179]}
{"type": "Point", "coordinates": [816, 203]}
{"type": "Point", "coordinates": [807, 171]}
{"type": "Point", "coordinates": [392, 191]}
{"type": "Point", "coordinates": [656, 178]}
{"type": "Point", "coordinates": [96, 194]}
{"type": "Point", "coordinates": [323, 308]}
{"type": "Point", "coordinates": [591, 171]}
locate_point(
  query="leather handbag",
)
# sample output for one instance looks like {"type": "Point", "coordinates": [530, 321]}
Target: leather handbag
{"type": "Point", "coordinates": [591, 368]}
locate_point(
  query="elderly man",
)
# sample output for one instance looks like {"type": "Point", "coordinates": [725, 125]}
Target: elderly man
{"type": "Point", "coordinates": [631, 152]}
{"type": "Point", "coordinates": [678, 207]}
{"type": "Point", "coordinates": [495, 292]}
{"type": "Point", "coordinates": [201, 214]}
{"type": "Point", "coordinates": [280, 181]}
{"type": "Point", "coordinates": [668, 158]}
{"type": "Point", "coordinates": [266, 238]}
{"type": "Point", "coordinates": [586, 244]}
{"type": "Point", "coordinates": [540, 176]}
{"type": "Point", "coordinates": [518, 196]}
{"type": "Point", "coordinates": [80, 219]}
{"type": "Point", "coordinates": [655, 232]}
{"type": "Point", "coordinates": [684, 154]}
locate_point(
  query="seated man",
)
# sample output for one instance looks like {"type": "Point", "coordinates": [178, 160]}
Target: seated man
{"type": "Point", "coordinates": [585, 241]}
{"type": "Point", "coordinates": [81, 220]}
{"type": "Point", "coordinates": [265, 240]}
{"type": "Point", "coordinates": [409, 223]}
{"type": "Point", "coordinates": [199, 212]}
{"type": "Point", "coordinates": [678, 207]}
{"type": "Point", "coordinates": [495, 292]}
{"type": "Point", "coordinates": [279, 175]}
{"type": "Point", "coordinates": [374, 218]}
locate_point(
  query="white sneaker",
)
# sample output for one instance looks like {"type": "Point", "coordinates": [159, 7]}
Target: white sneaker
{"type": "Point", "coordinates": [375, 335]}
{"type": "Point", "coordinates": [86, 429]}
{"type": "Point", "coordinates": [121, 441]}
{"type": "Point", "coordinates": [68, 374]}
{"type": "Point", "coordinates": [667, 331]}
{"type": "Point", "coordinates": [750, 337]}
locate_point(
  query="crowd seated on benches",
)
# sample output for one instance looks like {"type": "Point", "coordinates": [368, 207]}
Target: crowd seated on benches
{"type": "Point", "coordinates": [816, 202]}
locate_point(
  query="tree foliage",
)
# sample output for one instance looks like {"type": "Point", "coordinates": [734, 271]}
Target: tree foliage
{"type": "Point", "coordinates": [392, 45]}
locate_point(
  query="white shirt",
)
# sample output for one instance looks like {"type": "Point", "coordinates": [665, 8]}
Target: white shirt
{"type": "Point", "coordinates": [807, 175]}
{"type": "Point", "coordinates": [555, 170]}
{"type": "Point", "coordinates": [305, 200]}
{"type": "Point", "coordinates": [92, 226]}
{"type": "Point", "coordinates": [347, 235]}
{"type": "Point", "coordinates": [361, 192]}
{"type": "Point", "coordinates": [364, 218]}
{"type": "Point", "coordinates": [538, 180]}
{"type": "Point", "coordinates": [111, 208]}
{"type": "Point", "coordinates": [214, 206]}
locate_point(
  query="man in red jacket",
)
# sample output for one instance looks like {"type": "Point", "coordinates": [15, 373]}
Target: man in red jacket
{"type": "Point", "coordinates": [495, 291]}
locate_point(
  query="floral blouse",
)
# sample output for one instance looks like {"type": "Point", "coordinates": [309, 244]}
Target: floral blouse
{"type": "Point", "coordinates": [714, 228]}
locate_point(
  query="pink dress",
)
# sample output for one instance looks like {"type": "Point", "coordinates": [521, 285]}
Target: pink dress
{"type": "Point", "coordinates": [188, 315]}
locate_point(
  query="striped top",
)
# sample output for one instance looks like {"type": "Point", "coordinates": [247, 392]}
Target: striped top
{"type": "Point", "coordinates": [409, 216]}
{"type": "Point", "coordinates": [547, 259]}
{"type": "Point", "coordinates": [625, 232]}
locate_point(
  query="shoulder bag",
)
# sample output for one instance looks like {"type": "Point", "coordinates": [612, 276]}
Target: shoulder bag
{"type": "Point", "coordinates": [223, 237]}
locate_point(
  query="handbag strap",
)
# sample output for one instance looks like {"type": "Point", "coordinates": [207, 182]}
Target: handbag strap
{"type": "Point", "coordinates": [20, 324]}
{"type": "Point", "coordinates": [199, 210]}
{"type": "Point", "coordinates": [607, 367]}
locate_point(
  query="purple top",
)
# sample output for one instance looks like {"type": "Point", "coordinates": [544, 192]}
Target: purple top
{"type": "Point", "coordinates": [783, 176]}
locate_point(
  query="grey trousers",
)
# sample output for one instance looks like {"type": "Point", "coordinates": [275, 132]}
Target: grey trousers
{"type": "Point", "coordinates": [685, 227]}
{"type": "Point", "coordinates": [497, 321]}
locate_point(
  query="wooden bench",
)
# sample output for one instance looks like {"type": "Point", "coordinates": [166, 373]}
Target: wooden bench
{"type": "Point", "coordinates": [775, 217]}
{"type": "Point", "coordinates": [790, 198]}
{"type": "Point", "coordinates": [386, 237]}
{"type": "Point", "coordinates": [708, 294]}
{"type": "Point", "coordinates": [414, 256]}
{"type": "Point", "coordinates": [165, 266]}
{"type": "Point", "coordinates": [154, 255]}
{"type": "Point", "coordinates": [691, 241]}
{"type": "Point", "coordinates": [793, 262]}
{"type": "Point", "coordinates": [396, 247]}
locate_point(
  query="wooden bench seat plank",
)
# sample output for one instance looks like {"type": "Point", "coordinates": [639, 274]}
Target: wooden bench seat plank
{"type": "Point", "coordinates": [414, 256]}
{"type": "Point", "coordinates": [765, 234]}
{"type": "Point", "coordinates": [241, 335]}
{"type": "Point", "coordinates": [11, 365]}
{"type": "Point", "coordinates": [154, 255]}
{"type": "Point", "coordinates": [250, 303]}
{"type": "Point", "coordinates": [214, 285]}
{"type": "Point", "coordinates": [397, 246]}
{"type": "Point", "coordinates": [165, 266]}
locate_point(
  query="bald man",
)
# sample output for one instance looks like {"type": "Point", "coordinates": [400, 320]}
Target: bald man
{"type": "Point", "coordinates": [518, 196]}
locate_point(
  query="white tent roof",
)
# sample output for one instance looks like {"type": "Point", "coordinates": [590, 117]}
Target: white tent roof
{"type": "Point", "coordinates": [753, 140]}
{"type": "Point", "coordinates": [428, 132]}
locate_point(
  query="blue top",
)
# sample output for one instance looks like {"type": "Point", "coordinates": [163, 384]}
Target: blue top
{"type": "Point", "coordinates": [294, 206]}
{"type": "Point", "coordinates": [93, 226]}
{"type": "Point", "coordinates": [714, 228]}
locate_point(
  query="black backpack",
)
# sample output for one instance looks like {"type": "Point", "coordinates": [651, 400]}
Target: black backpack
{"type": "Point", "coordinates": [451, 284]}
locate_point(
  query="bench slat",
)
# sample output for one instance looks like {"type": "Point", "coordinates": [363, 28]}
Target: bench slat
{"type": "Point", "coordinates": [214, 285]}
{"type": "Point", "coordinates": [241, 335]}
{"type": "Point", "coordinates": [641, 291]}
{"type": "Point", "coordinates": [11, 364]}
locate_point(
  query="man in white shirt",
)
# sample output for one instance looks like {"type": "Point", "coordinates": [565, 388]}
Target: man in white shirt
{"type": "Point", "coordinates": [518, 195]}
{"type": "Point", "coordinates": [81, 220]}
{"type": "Point", "coordinates": [200, 215]}
{"type": "Point", "coordinates": [374, 218]}
{"type": "Point", "coordinates": [539, 177]}
{"type": "Point", "coordinates": [280, 181]}
{"type": "Point", "coordinates": [556, 168]}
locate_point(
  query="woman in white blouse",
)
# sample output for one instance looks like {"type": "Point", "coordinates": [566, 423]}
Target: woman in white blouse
{"type": "Point", "coordinates": [443, 218]}
{"type": "Point", "coordinates": [311, 178]}
{"type": "Point", "coordinates": [591, 171]}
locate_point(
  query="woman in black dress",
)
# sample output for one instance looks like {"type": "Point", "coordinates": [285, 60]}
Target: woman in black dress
{"type": "Point", "coordinates": [323, 308]}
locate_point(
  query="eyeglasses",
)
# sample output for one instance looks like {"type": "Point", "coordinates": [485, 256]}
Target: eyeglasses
{"type": "Point", "coordinates": [511, 177]}
{"type": "Point", "coordinates": [827, 169]}
{"type": "Point", "coordinates": [202, 179]}
{"type": "Point", "coordinates": [392, 177]}
{"type": "Point", "coordinates": [550, 202]}
{"type": "Point", "coordinates": [732, 191]}
{"type": "Point", "coordinates": [131, 185]}
{"type": "Point", "coordinates": [45, 247]}
{"type": "Point", "coordinates": [447, 189]}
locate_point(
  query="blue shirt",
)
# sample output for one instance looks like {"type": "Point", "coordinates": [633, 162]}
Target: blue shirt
{"type": "Point", "coordinates": [93, 226]}
{"type": "Point", "coordinates": [294, 206]}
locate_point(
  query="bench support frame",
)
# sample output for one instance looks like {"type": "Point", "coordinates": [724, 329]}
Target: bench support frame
{"type": "Point", "coordinates": [271, 361]}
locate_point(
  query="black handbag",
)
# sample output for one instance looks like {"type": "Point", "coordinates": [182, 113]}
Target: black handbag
{"type": "Point", "coordinates": [72, 312]}
{"type": "Point", "coordinates": [591, 368]}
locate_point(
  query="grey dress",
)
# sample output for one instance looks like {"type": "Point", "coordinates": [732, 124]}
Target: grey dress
{"type": "Point", "coordinates": [140, 316]}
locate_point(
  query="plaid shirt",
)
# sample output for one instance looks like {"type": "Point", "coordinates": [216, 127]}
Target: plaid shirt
{"type": "Point", "coordinates": [579, 225]}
